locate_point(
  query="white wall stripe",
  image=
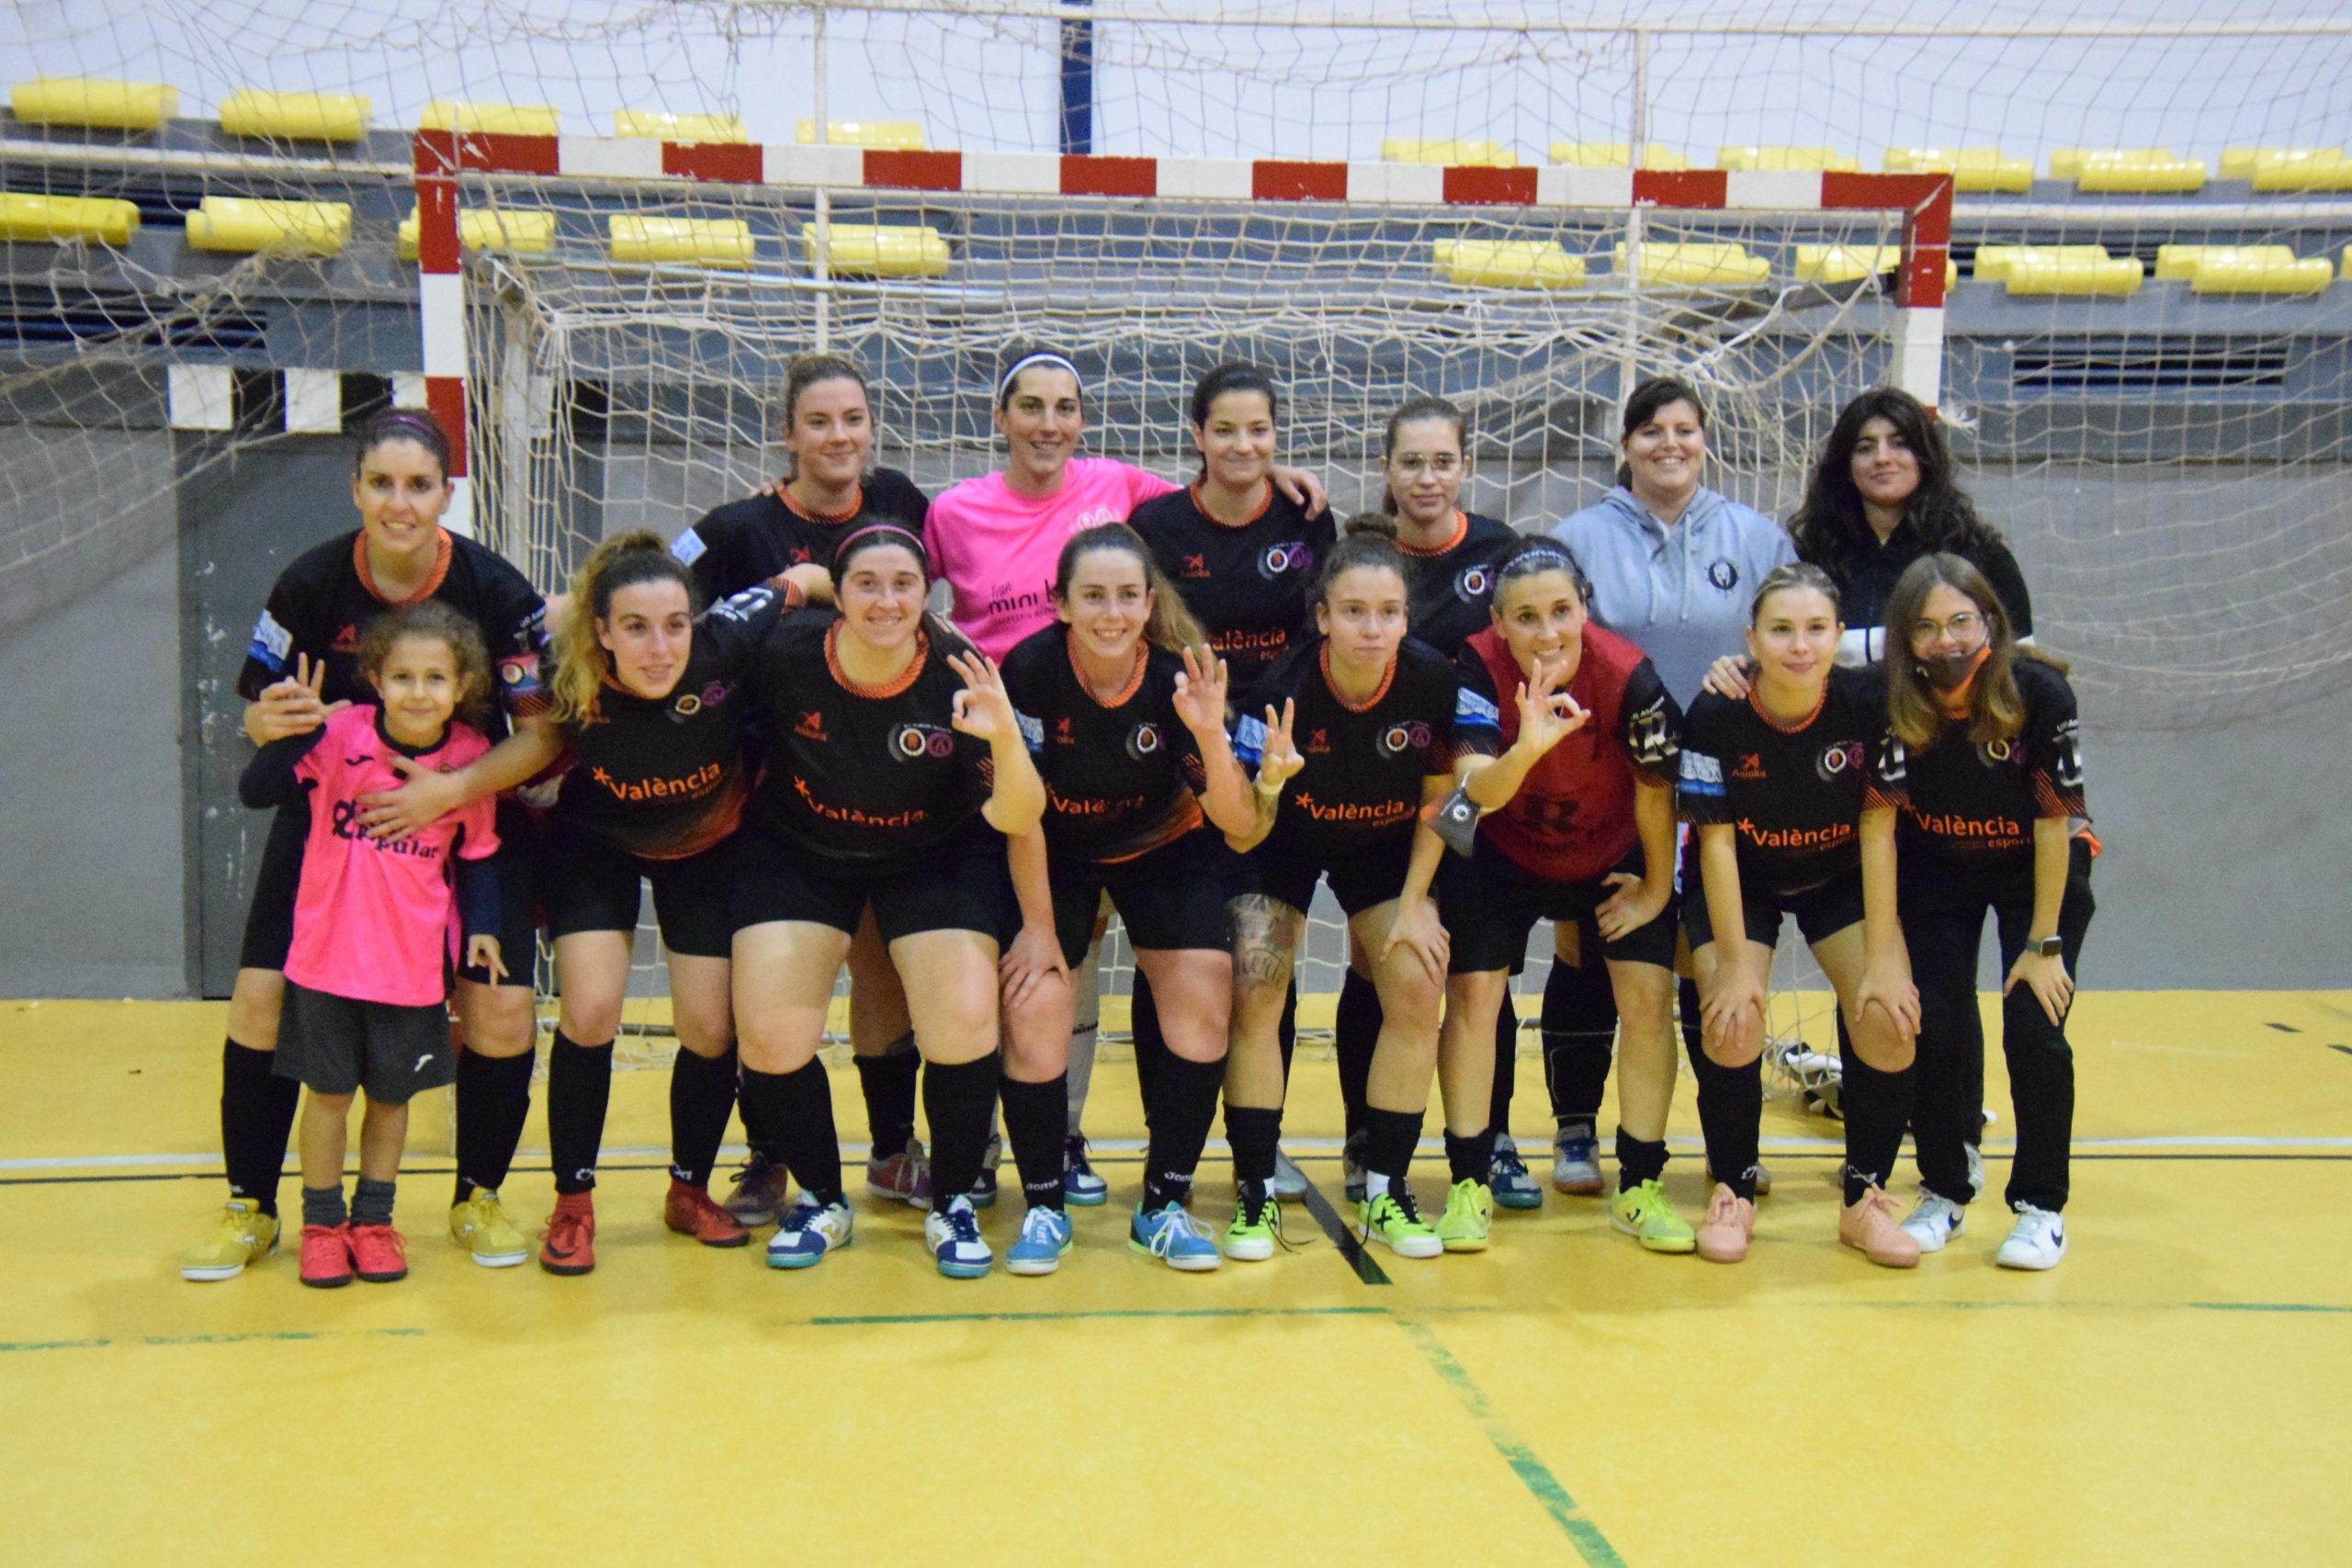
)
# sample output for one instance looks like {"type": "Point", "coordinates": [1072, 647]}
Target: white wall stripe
{"type": "Point", "coordinates": [313, 402]}
{"type": "Point", "coordinates": [201, 397]}
{"type": "Point", "coordinates": [408, 389]}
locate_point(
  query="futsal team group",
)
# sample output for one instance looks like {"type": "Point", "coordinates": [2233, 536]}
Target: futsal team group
{"type": "Point", "coordinates": [1660, 725]}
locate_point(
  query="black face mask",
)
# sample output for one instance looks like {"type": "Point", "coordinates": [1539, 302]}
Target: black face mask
{"type": "Point", "coordinates": [1950, 671]}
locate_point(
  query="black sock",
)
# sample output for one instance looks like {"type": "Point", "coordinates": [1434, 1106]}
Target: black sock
{"type": "Point", "coordinates": [796, 1110]}
{"type": "Point", "coordinates": [1638, 1160]}
{"type": "Point", "coordinates": [1878, 1107]}
{"type": "Point", "coordinates": [256, 1118]}
{"type": "Point", "coordinates": [493, 1096]}
{"type": "Point", "coordinates": [1254, 1134]}
{"type": "Point", "coordinates": [1471, 1158]}
{"type": "Point", "coordinates": [888, 1082]}
{"type": "Point", "coordinates": [1286, 1032]}
{"type": "Point", "coordinates": [960, 1100]}
{"type": "Point", "coordinates": [580, 1090]}
{"type": "Point", "coordinates": [1506, 1065]}
{"type": "Point", "coordinates": [1186, 1095]}
{"type": "Point", "coordinates": [1150, 1045]}
{"type": "Point", "coordinates": [1036, 1118]}
{"type": "Point", "coordinates": [1579, 1026]}
{"type": "Point", "coordinates": [323, 1205]}
{"type": "Point", "coordinates": [371, 1203]}
{"type": "Point", "coordinates": [1389, 1138]}
{"type": "Point", "coordinates": [1731, 1103]}
{"type": "Point", "coordinates": [702, 1095]}
{"type": "Point", "coordinates": [1355, 1033]}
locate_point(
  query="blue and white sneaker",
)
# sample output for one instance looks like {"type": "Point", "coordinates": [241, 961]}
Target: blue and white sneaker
{"type": "Point", "coordinates": [1934, 1221]}
{"type": "Point", "coordinates": [809, 1231]}
{"type": "Point", "coordinates": [1173, 1237]}
{"type": "Point", "coordinates": [954, 1238]}
{"type": "Point", "coordinates": [1575, 1164]}
{"type": "Point", "coordinates": [1045, 1237]}
{"type": "Point", "coordinates": [1508, 1179]}
{"type": "Point", "coordinates": [2037, 1241]}
{"type": "Point", "coordinates": [1081, 1188]}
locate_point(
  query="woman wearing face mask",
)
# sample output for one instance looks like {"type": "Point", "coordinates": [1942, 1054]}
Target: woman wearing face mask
{"type": "Point", "coordinates": [1985, 763]}
{"type": "Point", "coordinates": [1787, 822]}
{"type": "Point", "coordinates": [1673, 566]}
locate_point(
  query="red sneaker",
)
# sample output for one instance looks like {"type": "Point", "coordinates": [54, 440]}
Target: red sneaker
{"type": "Point", "coordinates": [326, 1256]}
{"type": "Point", "coordinates": [691, 1211]}
{"type": "Point", "coordinates": [379, 1252]}
{"type": "Point", "coordinates": [569, 1244]}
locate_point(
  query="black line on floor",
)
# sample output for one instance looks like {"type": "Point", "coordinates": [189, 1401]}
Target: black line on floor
{"type": "Point", "coordinates": [1367, 1268]}
{"type": "Point", "coordinates": [2346, 1049]}
{"type": "Point", "coordinates": [2286, 1029]}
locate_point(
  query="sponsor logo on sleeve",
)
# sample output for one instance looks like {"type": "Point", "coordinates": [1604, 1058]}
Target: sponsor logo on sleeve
{"type": "Point", "coordinates": [688, 546]}
{"type": "Point", "coordinates": [1701, 774]}
{"type": "Point", "coordinates": [271, 642]}
{"type": "Point", "coordinates": [1249, 739]}
{"type": "Point", "coordinates": [1033, 731]}
{"type": "Point", "coordinates": [1469, 708]}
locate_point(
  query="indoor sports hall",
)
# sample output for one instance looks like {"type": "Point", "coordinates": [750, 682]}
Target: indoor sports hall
{"type": "Point", "coordinates": [2106, 248]}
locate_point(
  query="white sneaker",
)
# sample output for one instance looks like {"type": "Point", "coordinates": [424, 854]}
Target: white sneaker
{"type": "Point", "coordinates": [1935, 1222]}
{"type": "Point", "coordinates": [1575, 1164]}
{"type": "Point", "coordinates": [1976, 1171]}
{"type": "Point", "coordinates": [2038, 1240]}
{"type": "Point", "coordinates": [954, 1238]}
{"type": "Point", "coordinates": [808, 1232]}
{"type": "Point", "coordinates": [1289, 1182]}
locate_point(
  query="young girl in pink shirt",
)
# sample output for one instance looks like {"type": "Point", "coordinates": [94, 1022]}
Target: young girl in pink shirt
{"type": "Point", "coordinates": [367, 979]}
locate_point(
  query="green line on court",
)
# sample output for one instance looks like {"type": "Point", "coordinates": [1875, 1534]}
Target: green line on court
{"type": "Point", "coordinates": [1590, 1544]}
{"type": "Point", "coordinates": [886, 1319]}
{"type": "Point", "coordinates": [2271, 1306]}
{"type": "Point", "coordinates": [280, 1336]}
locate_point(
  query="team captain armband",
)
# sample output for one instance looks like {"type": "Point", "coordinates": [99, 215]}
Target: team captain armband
{"type": "Point", "coordinates": [271, 643]}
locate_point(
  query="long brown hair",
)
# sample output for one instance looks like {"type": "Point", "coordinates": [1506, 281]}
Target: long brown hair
{"type": "Point", "coordinates": [1172, 626]}
{"type": "Point", "coordinates": [1995, 710]}
{"type": "Point", "coordinates": [430, 620]}
{"type": "Point", "coordinates": [805, 371]}
{"type": "Point", "coordinates": [581, 663]}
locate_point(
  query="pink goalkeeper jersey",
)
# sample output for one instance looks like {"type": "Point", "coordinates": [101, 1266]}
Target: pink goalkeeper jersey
{"type": "Point", "coordinates": [372, 918]}
{"type": "Point", "coordinates": [997, 550]}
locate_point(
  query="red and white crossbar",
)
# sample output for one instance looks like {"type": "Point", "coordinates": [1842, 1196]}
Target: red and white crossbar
{"type": "Point", "coordinates": [1924, 200]}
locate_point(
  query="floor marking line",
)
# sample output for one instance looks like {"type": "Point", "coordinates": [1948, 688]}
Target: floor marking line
{"type": "Point", "coordinates": [881, 1320]}
{"type": "Point", "coordinates": [268, 1336]}
{"type": "Point", "coordinates": [2286, 1029]}
{"type": "Point", "coordinates": [1590, 1544]}
{"type": "Point", "coordinates": [1359, 1257]}
{"type": "Point", "coordinates": [2325, 1308]}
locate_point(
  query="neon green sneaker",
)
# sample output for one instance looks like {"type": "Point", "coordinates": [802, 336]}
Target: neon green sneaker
{"type": "Point", "coordinates": [480, 1225]}
{"type": "Point", "coordinates": [241, 1234]}
{"type": "Point", "coordinates": [1469, 1217]}
{"type": "Point", "coordinates": [1257, 1227]}
{"type": "Point", "coordinates": [1643, 1213]}
{"type": "Point", "coordinates": [1392, 1221]}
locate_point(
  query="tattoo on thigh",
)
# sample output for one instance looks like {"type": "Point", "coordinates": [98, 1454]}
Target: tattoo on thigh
{"type": "Point", "coordinates": [1265, 936]}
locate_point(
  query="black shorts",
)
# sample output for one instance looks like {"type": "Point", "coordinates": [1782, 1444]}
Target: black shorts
{"type": "Point", "coordinates": [593, 885]}
{"type": "Point", "coordinates": [1359, 880]}
{"type": "Point", "coordinates": [337, 1046]}
{"type": "Point", "coordinates": [269, 919]}
{"type": "Point", "coordinates": [1822, 911]}
{"type": "Point", "coordinates": [1490, 903]}
{"type": "Point", "coordinates": [1170, 898]}
{"type": "Point", "coordinates": [964, 884]}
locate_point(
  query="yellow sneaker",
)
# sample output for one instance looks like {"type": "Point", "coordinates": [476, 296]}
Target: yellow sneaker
{"type": "Point", "coordinates": [1469, 1217]}
{"type": "Point", "coordinates": [1643, 1213]}
{"type": "Point", "coordinates": [480, 1225]}
{"type": "Point", "coordinates": [241, 1234]}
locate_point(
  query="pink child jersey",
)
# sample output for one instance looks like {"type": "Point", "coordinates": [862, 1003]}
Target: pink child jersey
{"type": "Point", "coordinates": [997, 550]}
{"type": "Point", "coordinates": [372, 918]}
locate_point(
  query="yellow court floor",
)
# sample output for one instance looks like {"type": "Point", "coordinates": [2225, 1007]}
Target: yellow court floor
{"type": "Point", "coordinates": [2176, 1392]}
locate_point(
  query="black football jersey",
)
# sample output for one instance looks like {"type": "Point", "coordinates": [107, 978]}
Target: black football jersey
{"type": "Point", "coordinates": [663, 777]}
{"type": "Point", "coordinates": [860, 775]}
{"type": "Point", "coordinates": [745, 543]}
{"type": "Point", "coordinates": [1247, 586]}
{"type": "Point", "coordinates": [1365, 765]}
{"type": "Point", "coordinates": [322, 602]}
{"type": "Point", "coordinates": [1121, 778]}
{"type": "Point", "coordinates": [1795, 795]}
{"type": "Point", "coordinates": [1963, 803]}
{"type": "Point", "coordinates": [1452, 586]}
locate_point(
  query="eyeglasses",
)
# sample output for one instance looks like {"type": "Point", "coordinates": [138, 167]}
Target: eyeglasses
{"type": "Point", "coordinates": [1414, 464]}
{"type": "Point", "coordinates": [1961, 628]}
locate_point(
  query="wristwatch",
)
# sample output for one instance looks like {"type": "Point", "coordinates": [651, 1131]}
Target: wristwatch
{"type": "Point", "coordinates": [2051, 947]}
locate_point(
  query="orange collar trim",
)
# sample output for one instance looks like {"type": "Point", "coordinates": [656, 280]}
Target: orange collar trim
{"type": "Point", "coordinates": [1201, 506]}
{"type": "Point", "coordinates": [443, 549]}
{"type": "Point", "coordinates": [1461, 532]}
{"type": "Point", "coordinates": [1135, 676]}
{"type": "Point", "coordinates": [1388, 677]}
{"type": "Point", "coordinates": [891, 688]}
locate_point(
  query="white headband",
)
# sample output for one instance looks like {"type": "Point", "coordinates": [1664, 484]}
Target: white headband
{"type": "Point", "coordinates": [1005, 387]}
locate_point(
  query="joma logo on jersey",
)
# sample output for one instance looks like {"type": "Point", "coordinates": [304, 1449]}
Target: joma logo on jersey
{"type": "Point", "coordinates": [910, 741]}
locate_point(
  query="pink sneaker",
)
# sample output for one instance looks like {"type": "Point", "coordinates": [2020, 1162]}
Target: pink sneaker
{"type": "Point", "coordinates": [379, 1252]}
{"type": "Point", "coordinates": [1869, 1226]}
{"type": "Point", "coordinates": [326, 1256]}
{"type": "Point", "coordinates": [1730, 1224]}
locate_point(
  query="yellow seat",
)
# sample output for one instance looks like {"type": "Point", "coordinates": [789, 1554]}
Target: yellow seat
{"type": "Point", "coordinates": [64, 218]}
{"type": "Point", "coordinates": [1456, 152]}
{"type": "Point", "coordinates": [490, 120]}
{"type": "Point", "coordinates": [879, 250]}
{"type": "Point", "coordinates": [1826, 265]}
{"type": "Point", "coordinates": [659, 125]}
{"type": "Point", "coordinates": [2040, 275]}
{"type": "Point", "coordinates": [1690, 264]}
{"type": "Point", "coordinates": [2241, 162]}
{"type": "Point", "coordinates": [1972, 168]}
{"type": "Point", "coordinates": [87, 100]}
{"type": "Point", "coordinates": [2182, 260]}
{"type": "Point", "coordinates": [1507, 263]}
{"type": "Point", "coordinates": [703, 242]}
{"type": "Point", "coordinates": [890, 135]}
{"type": "Point", "coordinates": [2325, 168]}
{"type": "Point", "coordinates": [1993, 261]}
{"type": "Point", "coordinates": [1754, 156]}
{"type": "Point", "coordinates": [1612, 156]}
{"type": "Point", "coordinates": [2244, 274]}
{"type": "Point", "coordinates": [269, 228]}
{"type": "Point", "coordinates": [295, 117]}
{"type": "Point", "coordinates": [518, 233]}
{"type": "Point", "coordinates": [2127, 169]}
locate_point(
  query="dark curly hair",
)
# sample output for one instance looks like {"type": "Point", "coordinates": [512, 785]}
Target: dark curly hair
{"type": "Point", "coordinates": [1829, 527]}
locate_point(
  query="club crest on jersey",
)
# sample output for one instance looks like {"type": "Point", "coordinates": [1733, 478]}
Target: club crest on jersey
{"type": "Point", "coordinates": [1402, 738]}
{"type": "Point", "coordinates": [1474, 584]}
{"type": "Point", "coordinates": [1723, 573]}
{"type": "Point", "coordinates": [1294, 555]}
{"type": "Point", "coordinates": [1838, 759]}
{"type": "Point", "coordinates": [1143, 741]}
{"type": "Point", "coordinates": [910, 742]}
{"type": "Point", "coordinates": [692, 703]}
{"type": "Point", "coordinates": [1993, 753]}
